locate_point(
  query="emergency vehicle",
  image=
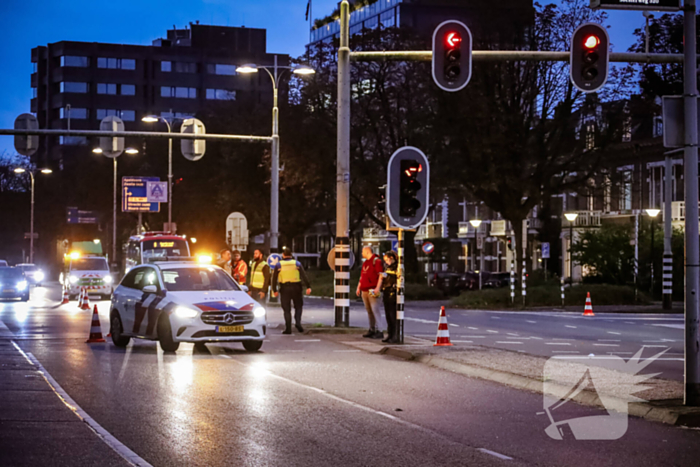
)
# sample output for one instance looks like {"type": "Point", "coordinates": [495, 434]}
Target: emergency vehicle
{"type": "Point", "coordinates": [184, 301]}
{"type": "Point", "coordinates": [154, 246]}
{"type": "Point", "coordinates": [86, 271]}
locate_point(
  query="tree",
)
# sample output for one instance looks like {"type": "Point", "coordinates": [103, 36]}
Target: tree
{"type": "Point", "coordinates": [606, 254]}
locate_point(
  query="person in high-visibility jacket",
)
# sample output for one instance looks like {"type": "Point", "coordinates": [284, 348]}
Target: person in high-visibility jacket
{"type": "Point", "coordinates": [259, 276]}
{"type": "Point", "coordinates": [289, 275]}
{"type": "Point", "coordinates": [238, 268]}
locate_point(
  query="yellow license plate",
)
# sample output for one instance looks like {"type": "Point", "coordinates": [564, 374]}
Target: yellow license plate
{"type": "Point", "coordinates": [229, 329]}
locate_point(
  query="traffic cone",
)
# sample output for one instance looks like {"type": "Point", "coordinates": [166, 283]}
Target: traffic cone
{"type": "Point", "coordinates": [95, 329]}
{"type": "Point", "coordinates": [81, 298]}
{"type": "Point", "coordinates": [86, 301]}
{"type": "Point", "coordinates": [588, 311]}
{"type": "Point", "coordinates": [66, 299]}
{"type": "Point", "coordinates": [443, 334]}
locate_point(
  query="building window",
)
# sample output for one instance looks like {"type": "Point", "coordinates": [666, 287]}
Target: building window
{"type": "Point", "coordinates": [185, 67]}
{"type": "Point", "coordinates": [221, 94]}
{"type": "Point", "coordinates": [171, 115]}
{"type": "Point", "coordinates": [221, 69]}
{"type": "Point", "coordinates": [70, 86]}
{"type": "Point", "coordinates": [166, 66]}
{"type": "Point", "coordinates": [178, 92]}
{"type": "Point", "coordinates": [72, 140]}
{"type": "Point", "coordinates": [627, 130]}
{"type": "Point", "coordinates": [106, 88]}
{"type": "Point", "coordinates": [35, 67]}
{"type": "Point", "coordinates": [34, 93]}
{"type": "Point", "coordinates": [590, 136]}
{"type": "Point", "coordinates": [72, 60]}
{"type": "Point", "coordinates": [75, 113]}
{"type": "Point", "coordinates": [126, 115]}
{"type": "Point", "coordinates": [658, 127]}
{"type": "Point", "coordinates": [116, 63]}
{"type": "Point", "coordinates": [128, 90]}
{"type": "Point", "coordinates": [625, 190]}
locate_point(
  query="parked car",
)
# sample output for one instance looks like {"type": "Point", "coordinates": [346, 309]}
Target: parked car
{"type": "Point", "coordinates": [446, 281]}
{"type": "Point", "coordinates": [498, 280]}
{"type": "Point", "coordinates": [13, 284]}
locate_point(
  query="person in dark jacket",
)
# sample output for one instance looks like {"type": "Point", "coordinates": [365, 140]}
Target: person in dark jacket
{"type": "Point", "coordinates": [388, 283]}
{"type": "Point", "coordinates": [289, 274]}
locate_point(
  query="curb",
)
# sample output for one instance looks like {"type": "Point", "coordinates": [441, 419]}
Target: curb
{"type": "Point", "coordinates": [676, 415]}
{"type": "Point", "coordinates": [334, 330]}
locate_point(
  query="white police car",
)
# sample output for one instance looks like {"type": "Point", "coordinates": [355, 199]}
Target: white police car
{"type": "Point", "coordinates": [175, 302]}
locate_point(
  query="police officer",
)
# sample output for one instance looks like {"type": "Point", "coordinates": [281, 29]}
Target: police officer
{"type": "Point", "coordinates": [288, 277]}
{"type": "Point", "coordinates": [387, 282]}
{"type": "Point", "coordinates": [259, 276]}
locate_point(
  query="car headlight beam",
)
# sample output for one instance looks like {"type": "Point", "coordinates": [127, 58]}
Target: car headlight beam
{"type": "Point", "coordinates": [259, 312]}
{"type": "Point", "coordinates": [107, 279]}
{"type": "Point", "coordinates": [184, 312]}
{"type": "Point", "coordinates": [22, 285]}
{"type": "Point", "coordinates": [39, 276]}
{"type": "Point", "coordinates": [73, 279]}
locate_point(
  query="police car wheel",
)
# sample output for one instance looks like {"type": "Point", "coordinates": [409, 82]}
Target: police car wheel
{"type": "Point", "coordinates": [165, 335]}
{"type": "Point", "coordinates": [252, 346]}
{"type": "Point", "coordinates": [116, 330]}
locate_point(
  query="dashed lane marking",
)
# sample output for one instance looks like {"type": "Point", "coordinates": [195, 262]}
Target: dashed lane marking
{"type": "Point", "coordinates": [565, 351]}
{"type": "Point", "coordinates": [557, 343]}
{"type": "Point", "coordinates": [508, 342]}
{"type": "Point", "coordinates": [673, 326]}
{"type": "Point", "coordinates": [571, 327]}
{"type": "Point", "coordinates": [473, 329]}
{"type": "Point", "coordinates": [615, 333]}
{"type": "Point", "coordinates": [462, 342]}
{"type": "Point", "coordinates": [495, 317]}
{"type": "Point", "coordinates": [496, 454]}
{"type": "Point", "coordinates": [606, 345]}
{"type": "Point", "coordinates": [531, 322]}
{"type": "Point", "coordinates": [536, 338]}
{"type": "Point", "coordinates": [307, 340]}
{"type": "Point", "coordinates": [512, 333]}
{"type": "Point", "coordinates": [609, 340]}
{"type": "Point", "coordinates": [347, 351]}
{"type": "Point", "coordinates": [492, 331]}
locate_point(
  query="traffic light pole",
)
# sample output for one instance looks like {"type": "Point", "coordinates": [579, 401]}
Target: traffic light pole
{"type": "Point", "coordinates": [400, 284]}
{"type": "Point", "coordinates": [692, 253]}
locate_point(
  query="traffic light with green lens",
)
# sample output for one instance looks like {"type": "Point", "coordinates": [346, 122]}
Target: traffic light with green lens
{"type": "Point", "coordinates": [589, 59]}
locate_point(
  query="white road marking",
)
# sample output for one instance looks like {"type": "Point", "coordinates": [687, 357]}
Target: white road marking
{"type": "Point", "coordinates": [561, 339]}
{"type": "Point", "coordinates": [475, 337]}
{"type": "Point", "coordinates": [531, 322]}
{"type": "Point", "coordinates": [662, 340]}
{"type": "Point", "coordinates": [463, 342]}
{"type": "Point", "coordinates": [452, 324]}
{"type": "Point", "coordinates": [307, 340]}
{"type": "Point", "coordinates": [491, 331]}
{"type": "Point", "coordinates": [512, 334]}
{"type": "Point", "coordinates": [127, 454]}
{"type": "Point", "coordinates": [606, 345]}
{"type": "Point", "coordinates": [536, 338]}
{"type": "Point", "coordinates": [495, 317]}
{"type": "Point", "coordinates": [347, 351]}
{"type": "Point", "coordinates": [496, 454]}
{"type": "Point", "coordinates": [615, 333]}
{"type": "Point", "coordinates": [652, 346]}
{"type": "Point", "coordinates": [610, 357]}
{"type": "Point", "coordinates": [572, 327]}
{"type": "Point", "coordinates": [291, 351]}
{"type": "Point", "coordinates": [224, 356]}
{"type": "Point", "coordinates": [674, 326]}
{"type": "Point", "coordinates": [609, 340]}
{"type": "Point", "coordinates": [508, 342]}
{"type": "Point", "coordinates": [557, 343]}
{"type": "Point", "coordinates": [473, 329]}
{"type": "Point", "coordinates": [516, 337]}
{"type": "Point", "coordinates": [565, 351]}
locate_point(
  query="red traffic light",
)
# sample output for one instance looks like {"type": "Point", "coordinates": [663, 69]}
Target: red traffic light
{"type": "Point", "coordinates": [591, 42]}
{"type": "Point", "coordinates": [453, 39]}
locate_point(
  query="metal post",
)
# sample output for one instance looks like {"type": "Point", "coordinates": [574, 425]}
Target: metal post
{"type": "Point", "coordinates": [114, 214]}
{"type": "Point", "coordinates": [342, 226]}
{"type": "Point", "coordinates": [31, 222]}
{"type": "Point", "coordinates": [170, 182]}
{"type": "Point", "coordinates": [512, 281]}
{"type": "Point", "coordinates": [562, 293]}
{"type": "Point", "coordinates": [646, 31]}
{"type": "Point", "coordinates": [636, 255]}
{"type": "Point", "coordinates": [275, 169]}
{"type": "Point", "coordinates": [652, 257]}
{"type": "Point", "coordinates": [668, 254]}
{"type": "Point", "coordinates": [139, 227]}
{"type": "Point", "coordinates": [481, 262]}
{"type": "Point", "coordinates": [571, 253]}
{"type": "Point", "coordinates": [400, 283]}
{"type": "Point", "coordinates": [692, 260]}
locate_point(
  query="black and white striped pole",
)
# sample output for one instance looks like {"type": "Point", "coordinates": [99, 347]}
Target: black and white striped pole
{"type": "Point", "coordinates": [342, 282]}
{"type": "Point", "coordinates": [400, 281]}
{"type": "Point", "coordinates": [667, 285]}
{"type": "Point", "coordinates": [562, 291]}
{"type": "Point", "coordinates": [524, 279]}
{"type": "Point", "coordinates": [512, 281]}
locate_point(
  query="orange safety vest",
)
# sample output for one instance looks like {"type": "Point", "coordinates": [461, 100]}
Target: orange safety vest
{"type": "Point", "coordinates": [240, 270]}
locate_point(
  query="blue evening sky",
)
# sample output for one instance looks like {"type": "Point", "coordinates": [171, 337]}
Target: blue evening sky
{"type": "Point", "coordinates": [28, 23]}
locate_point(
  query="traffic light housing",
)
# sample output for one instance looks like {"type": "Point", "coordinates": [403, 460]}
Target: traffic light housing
{"type": "Point", "coordinates": [408, 177]}
{"type": "Point", "coordinates": [452, 55]}
{"type": "Point", "coordinates": [590, 57]}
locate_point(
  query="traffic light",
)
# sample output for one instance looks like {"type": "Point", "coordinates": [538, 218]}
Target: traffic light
{"type": "Point", "coordinates": [407, 189]}
{"type": "Point", "coordinates": [381, 204]}
{"type": "Point", "coordinates": [590, 47]}
{"type": "Point", "coordinates": [452, 55]}
{"type": "Point", "coordinates": [510, 243]}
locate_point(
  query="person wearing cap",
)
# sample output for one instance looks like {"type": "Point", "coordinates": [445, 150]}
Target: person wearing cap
{"type": "Point", "coordinates": [225, 260]}
{"type": "Point", "coordinates": [259, 276]}
{"type": "Point", "coordinates": [288, 277]}
{"type": "Point", "coordinates": [388, 283]}
{"type": "Point", "coordinates": [238, 268]}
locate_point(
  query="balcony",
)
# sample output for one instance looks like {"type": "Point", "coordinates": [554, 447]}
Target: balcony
{"type": "Point", "coordinates": [466, 230]}
{"type": "Point", "coordinates": [584, 219]}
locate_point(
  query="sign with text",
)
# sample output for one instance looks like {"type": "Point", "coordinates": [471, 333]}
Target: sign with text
{"type": "Point", "coordinates": [77, 216]}
{"type": "Point", "coordinates": [545, 250]}
{"type": "Point", "coordinates": [135, 195]}
{"type": "Point", "coordinates": [648, 5]}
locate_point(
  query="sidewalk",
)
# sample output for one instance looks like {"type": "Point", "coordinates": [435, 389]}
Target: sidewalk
{"type": "Point", "coordinates": [36, 427]}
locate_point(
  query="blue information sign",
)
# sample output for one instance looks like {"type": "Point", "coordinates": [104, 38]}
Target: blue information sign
{"type": "Point", "coordinates": [545, 250]}
{"type": "Point", "coordinates": [76, 216]}
{"type": "Point", "coordinates": [135, 195]}
{"type": "Point", "coordinates": [273, 260]}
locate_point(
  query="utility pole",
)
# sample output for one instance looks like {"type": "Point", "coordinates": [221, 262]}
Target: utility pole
{"type": "Point", "coordinates": [692, 253]}
{"type": "Point", "coordinates": [667, 278]}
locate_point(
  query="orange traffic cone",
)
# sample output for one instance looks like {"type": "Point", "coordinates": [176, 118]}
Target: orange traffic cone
{"type": "Point", "coordinates": [66, 299]}
{"type": "Point", "coordinates": [443, 334]}
{"type": "Point", "coordinates": [588, 310]}
{"type": "Point", "coordinates": [95, 329]}
{"type": "Point", "coordinates": [81, 299]}
{"type": "Point", "coordinates": [86, 301]}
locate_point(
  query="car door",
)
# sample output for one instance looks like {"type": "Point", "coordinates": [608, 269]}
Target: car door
{"type": "Point", "coordinates": [127, 295]}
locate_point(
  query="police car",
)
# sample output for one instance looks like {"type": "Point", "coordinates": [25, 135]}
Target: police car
{"type": "Point", "coordinates": [183, 301]}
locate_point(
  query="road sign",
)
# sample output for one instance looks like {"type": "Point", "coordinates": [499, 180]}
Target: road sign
{"type": "Point", "coordinates": [28, 235]}
{"type": "Point", "coordinates": [673, 118]}
{"type": "Point", "coordinates": [408, 179]}
{"type": "Point", "coordinates": [135, 195]}
{"type": "Point", "coordinates": [26, 145]}
{"type": "Point", "coordinates": [428, 248]}
{"type": "Point", "coordinates": [237, 231]}
{"type": "Point", "coordinates": [77, 216]}
{"type": "Point", "coordinates": [112, 147]}
{"type": "Point", "coordinates": [589, 57]}
{"type": "Point", "coordinates": [545, 250]}
{"type": "Point", "coordinates": [157, 192]}
{"type": "Point", "coordinates": [452, 55]}
{"type": "Point", "coordinates": [193, 149]}
{"type": "Point", "coordinates": [273, 260]}
{"type": "Point", "coordinates": [646, 5]}
{"type": "Point", "coordinates": [331, 259]}
{"type": "Point", "coordinates": [395, 245]}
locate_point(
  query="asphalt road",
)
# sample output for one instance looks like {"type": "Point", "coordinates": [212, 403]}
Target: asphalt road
{"type": "Point", "coordinates": [310, 401]}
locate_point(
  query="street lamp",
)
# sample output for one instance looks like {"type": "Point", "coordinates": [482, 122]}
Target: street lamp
{"type": "Point", "coordinates": [476, 223]}
{"type": "Point", "coordinates": [275, 76]}
{"type": "Point", "coordinates": [652, 213]}
{"type": "Point", "coordinates": [20, 170]}
{"type": "Point", "coordinates": [154, 119]}
{"type": "Point", "coordinates": [571, 217]}
{"type": "Point", "coordinates": [130, 151]}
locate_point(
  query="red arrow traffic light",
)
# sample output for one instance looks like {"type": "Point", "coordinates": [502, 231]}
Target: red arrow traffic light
{"type": "Point", "coordinates": [591, 42]}
{"type": "Point", "coordinates": [453, 39]}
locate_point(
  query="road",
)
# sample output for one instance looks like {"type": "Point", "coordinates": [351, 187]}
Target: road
{"type": "Point", "coordinates": [310, 401]}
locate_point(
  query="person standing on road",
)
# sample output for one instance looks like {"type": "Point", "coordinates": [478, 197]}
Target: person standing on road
{"type": "Point", "coordinates": [238, 268]}
{"type": "Point", "coordinates": [388, 283]}
{"type": "Point", "coordinates": [225, 260]}
{"type": "Point", "coordinates": [372, 268]}
{"type": "Point", "coordinates": [288, 277]}
{"type": "Point", "coordinates": [259, 276]}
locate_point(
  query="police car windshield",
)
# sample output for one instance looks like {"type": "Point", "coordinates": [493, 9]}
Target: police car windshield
{"type": "Point", "coordinates": [164, 248]}
{"type": "Point", "coordinates": [89, 264]}
{"type": "Point", "coordinates": [197, 279]}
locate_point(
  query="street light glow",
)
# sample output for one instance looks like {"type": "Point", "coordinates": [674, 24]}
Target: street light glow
{"type": "Point", "coordinates": [19, 170]}
{"type": "Point", "coordinates": [304, 70]}
{"type": "Point", "coordinates": [653, 212]}
{"type": "Point", "coordinates": [571, 216]}
{"type": "Point", "coordinates": [131, 151]}
{"type": "Point", "coordinates": [97, 150]}
{"type": "Point", "coordinates": [247, 68]}
{"type": "Point", "coordinates": [149, 119]}
{"type": "Point", "coordinates": [475, 223]}
{"type": "Point", "coordinates": [46, 171]}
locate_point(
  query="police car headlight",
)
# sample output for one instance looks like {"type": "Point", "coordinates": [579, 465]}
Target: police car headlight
{"type": "Point", "coordinates": [184, 312]}
{"type": "Point", "coordinates": [108, 279]}
{"type": "Point", "coordinates": [259, 312]}
{"type": "Point", "coordinates": [73, 279]}
{"type": "Point", "coordinates": [39, 276]}
{"type": "Point", "coordinates": [21, 285]}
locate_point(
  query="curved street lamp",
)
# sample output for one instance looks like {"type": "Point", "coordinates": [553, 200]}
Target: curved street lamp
{"type": "Point", "coordinates": [571, 217]}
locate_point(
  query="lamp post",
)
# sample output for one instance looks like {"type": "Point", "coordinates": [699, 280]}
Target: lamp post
{"type": "Point", "coordinates": [275, 76]}
{"type": "Point", "coordinates": [652, 213]}
{"type": "Point", "coordinates": [154, 119]}
{"type": "Point", "coordinates": [476, 223]}
{"type": "Point", "coordinates": [20, 170]}
{"type": "Point", "coordinates": [114, 199]}
{"type": "Point", "coordinates": [571, 217]}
